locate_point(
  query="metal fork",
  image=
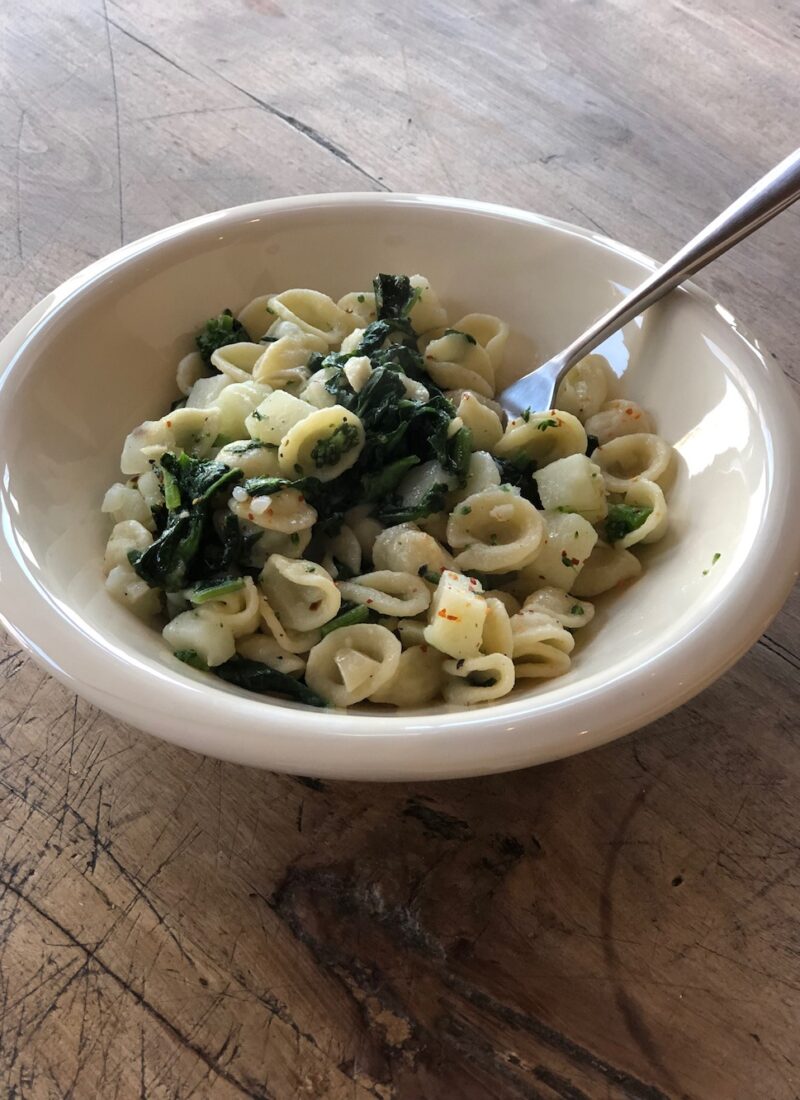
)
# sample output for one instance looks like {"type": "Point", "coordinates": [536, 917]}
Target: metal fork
{"type": "Point", "coordinates": [773, 193]}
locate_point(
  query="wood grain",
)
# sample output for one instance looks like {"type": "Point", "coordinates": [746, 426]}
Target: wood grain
{"type": "Point", "coordinates": [618, 925]}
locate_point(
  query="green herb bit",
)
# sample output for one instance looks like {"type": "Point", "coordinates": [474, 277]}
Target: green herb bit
{"type": "Point", "coordinates": [576, 609]}
{"type": "Point", "coordinates": [624, 518]}
{"type": "Point", "coordinates": [205, 591]}
{"type": "Point", "coordinates": [360, 298]}
{"type": "Point", "coordinates": [464, 510]}
{"type": "Point", "coordinates": [543, 425]}
{"type": "Point", "coordinates": [430, 575]}
{"type": "Point", "coordinates": [329, 451]}
{"type": "Point", "coordinates": [294, 538]}
{"type": "Point", "coordinates": [714, 561]}
{"type": "Point", "coordinates": [191, 657]}
{"type": "Point", "coordinates": [526, 414]}
{"type": "Point", "coordinates": [355, 615]}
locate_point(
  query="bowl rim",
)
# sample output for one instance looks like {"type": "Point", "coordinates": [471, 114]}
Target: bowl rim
{"type": "Point", "coordinates": [189, 712]}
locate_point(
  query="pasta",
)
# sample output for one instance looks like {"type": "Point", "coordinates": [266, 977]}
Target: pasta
{"type": "Point", "coordinates": [336, 511]}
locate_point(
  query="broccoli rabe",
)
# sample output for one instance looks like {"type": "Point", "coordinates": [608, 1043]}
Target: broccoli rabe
{"type": "Point", "coordinates": [218, 332]}
{"type": "Point", "coordinates": [329, 451]}
{"type": "Point", "coordinates": [624, 518]}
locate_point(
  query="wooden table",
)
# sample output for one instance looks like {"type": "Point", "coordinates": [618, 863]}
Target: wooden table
{"type": "Point", "coordinates": [621, 924]}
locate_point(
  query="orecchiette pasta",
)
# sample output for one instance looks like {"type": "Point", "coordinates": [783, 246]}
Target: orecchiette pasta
{"type": "Point", "coordinates": [124, 503]}
{"type": "Point", "coordinates": [286, 359]}
{"type": "Point", "coordinates": [490, 332]}
{"type": "Point", "coordinates": [252, 457]}
{"type": "Point", "coordinates": [236, 361]}
{"type": "Point", "coordinates": [456, 360]}
{"type": "Point", "coordinates": [497, 636]}
{"type": "Point", "coordinates": [495, 531]}
{"type": "Point", "coordinates": [482, 421]}
{"type": "Point", "coordinates": [478, 679]}
{"type": "Point", "coordinates": [127, 535]}
{"type": "Point", "coordinates": [647, 499]}
{"type": "Point", "coordinates": [418, 678]}
{"type": "Point", "coordinates": [541, 645]}
{"type": "Point", "coordinates": [286, 511]}
{"type": "Point", "coordinates": [618, 418]}
{"type": "Point", "coordinates": [190, 370]}
{"type": "Point", "coordinates": [314, 313]}
{"type": "Point", "coordinates": [408, 542]}
{"type": "Point", "coordinates": [361, 304]}
{"type": "Point", "coordinates": [406, 549]}
{"type": "Point", "coordinates": [198, 631]}
{"type": "Point", "coordinates": [301, 593]}
{"type": "Point", "coordinates": [628, 458]}
{"type": "Point", "coordinates": [568, 611]}
{"type": "Point", "coordinates": [268, 651]}
{"type": "Point", "coordinates": [323, 444]}
{"type": "Point", "coordinates": [585, 388]}
{"type": "Point", "coordinates": [543, 437]}
{"type": "Point", "coordinates": [352, 663]}
{"type": "Point", "coordinates": [388, 593]}
{"type": "Point", "coordinates": [606, 568]}
{"type": "Point", "coordinates": [426, 311]}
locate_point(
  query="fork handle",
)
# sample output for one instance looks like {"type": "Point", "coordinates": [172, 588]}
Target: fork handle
{"type": "Point", "coordinates": [778, 189]}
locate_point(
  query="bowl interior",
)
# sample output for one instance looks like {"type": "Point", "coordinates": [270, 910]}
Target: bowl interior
{"type": "Point", "coordinates": [104, 360]}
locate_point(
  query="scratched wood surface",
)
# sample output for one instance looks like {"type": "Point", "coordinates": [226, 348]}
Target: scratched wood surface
{"type": "Point", "coordinates": [624, 924]}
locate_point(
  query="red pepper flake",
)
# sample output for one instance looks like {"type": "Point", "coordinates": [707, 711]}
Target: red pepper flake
{"type": "Point", "coordinates": [370, 601]}
{"type": "Point", "coordinates": [169, 423]}
{"type": "Point", "coordinates": [250, 515]}
{"type": "Point", "coordinates": [629, 412]}
{"type": "Point", "coordinates": [443, 613]}
{"type": "Point", "coordinates": [453, 618]}
{"type": "Point", "coordinates": [473, 580]}
{"type": "Point", "coordinates": [269, 511]}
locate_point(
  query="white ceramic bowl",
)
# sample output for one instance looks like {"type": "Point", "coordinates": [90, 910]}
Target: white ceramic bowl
{"type": "Point", "coordinates": [97, 356]}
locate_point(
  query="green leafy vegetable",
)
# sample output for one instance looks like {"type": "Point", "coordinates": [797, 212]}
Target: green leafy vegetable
{"type": "Point", "coordinates": [218, 332]}
{"type": "Point", "coordinates": [624, 518]}
{"type": "Point", "coordinates": [214, 589]}
{"type": "Point", "coordinates": [258, 677]}
{"type": "Point", "coordinates": [382, 483]}
{"type": "Point", "coordinates": [394, 296]}
{"type": "Point", "coordinates": [396, 512]}
{"type": "Point", "coordinates": [358, 614]}
{"type": "Point", "coordinates": [177, 556]}
{"type": "Point", "coordinates": [172, 493]}
{"type": "Point", "coordinates": [191, 657]}
{"type": "Point", "coordinates": [519, 471]}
